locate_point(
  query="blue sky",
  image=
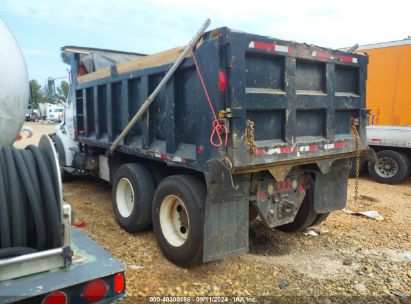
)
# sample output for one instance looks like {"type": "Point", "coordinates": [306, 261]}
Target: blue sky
{"type": "Point", "coordinates": [41, 27]}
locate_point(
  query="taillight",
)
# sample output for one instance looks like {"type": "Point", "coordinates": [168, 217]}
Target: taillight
{"type": "Point", "coordinates": [222, 80]}
{"type": "Point", "coordinates": [56, 297]}
{"type": "Point", "coordinates": [119, 283]}
{"type": "Point", "coordinates": [200, 149]}
{"type": "Point", "coordinates": [262, 196]}
{"type": "Point", "coordinates": [94, 291]}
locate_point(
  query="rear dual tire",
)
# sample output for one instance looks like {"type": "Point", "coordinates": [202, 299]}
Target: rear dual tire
{"type": "Point", "coordinates": [306, 215]}
{"type": "Point", "coordinates": [175, 209]}
{"type": "Point", "coordinates": [178, 217]}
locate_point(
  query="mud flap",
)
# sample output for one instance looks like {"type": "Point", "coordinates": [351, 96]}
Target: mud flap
{"type": "Point", "coordinates": [226, 216]}
{"type": "Point", "coordinates": [330, 190]}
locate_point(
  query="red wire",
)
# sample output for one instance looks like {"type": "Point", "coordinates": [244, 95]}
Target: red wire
{"type": "Point", "coordinates": [218, 128]}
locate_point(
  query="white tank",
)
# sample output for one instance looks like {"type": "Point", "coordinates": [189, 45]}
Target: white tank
{"type": "Point", "coordinates": [14, 86]}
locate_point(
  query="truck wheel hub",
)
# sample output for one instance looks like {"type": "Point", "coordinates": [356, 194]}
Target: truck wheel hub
{"type": "Point", "coordinates": [386, 167]}
{"type": "Point", "coordinates": [174, 220]}
{"type": "Point", "coordinates": [125, 197]}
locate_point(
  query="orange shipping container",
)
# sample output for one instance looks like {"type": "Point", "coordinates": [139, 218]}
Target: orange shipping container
{"type": "Point", "coordinates": [389, 82]}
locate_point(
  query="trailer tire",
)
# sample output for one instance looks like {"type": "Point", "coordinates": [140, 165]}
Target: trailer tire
{"type": "Point", "coordinates": [305, 217]}
{"type": "Point", "coordinates": [391, 167]}
{"type": "Point", "coordinates": [65, 176]}
{"type": "Point", "coordinates": [159, 173]}
{"type": "Point", "coordinates": [320, 218]}
{"type": "Point", "coordinates": [132, 195]}
{"type": "Point", "coordinates": [58, 144]}
{"type": "Point", "coordinates": [178, 217]}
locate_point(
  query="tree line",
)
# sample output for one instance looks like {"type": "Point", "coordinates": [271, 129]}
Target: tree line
{"type": "Point", "coordinates": [48, 93]}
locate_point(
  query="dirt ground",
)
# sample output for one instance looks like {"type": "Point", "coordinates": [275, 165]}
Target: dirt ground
{"type": "Point", "coordinates": [352, 259]}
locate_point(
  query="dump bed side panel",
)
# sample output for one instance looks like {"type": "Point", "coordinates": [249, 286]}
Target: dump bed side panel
{"type": "Point", "coordinates": [177, 126]}
{"type": "Point", "coordinates": [296, 100]}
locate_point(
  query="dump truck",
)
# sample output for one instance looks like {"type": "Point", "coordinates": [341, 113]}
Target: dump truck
{"type": "Point", "coordinates": [42, 259]}
{"type": "Point", "coordinates": [388, 98]}
{"type": "Point", "coordinates": [246, 126]}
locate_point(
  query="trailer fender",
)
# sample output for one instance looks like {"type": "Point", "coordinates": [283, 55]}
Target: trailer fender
{"type": "Point", "coordinates": [64, 145]}
{"type": "Point", "coordinates": [330, 189]}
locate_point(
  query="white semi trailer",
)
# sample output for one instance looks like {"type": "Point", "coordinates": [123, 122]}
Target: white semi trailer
{"type": "Point", "coordinates": [392, 145]}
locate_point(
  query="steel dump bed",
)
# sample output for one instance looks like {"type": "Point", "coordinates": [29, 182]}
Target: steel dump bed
{"type": "Point", "coordinates": [297, 102]}
{"type": "Point", "coordinates": [254, 125]}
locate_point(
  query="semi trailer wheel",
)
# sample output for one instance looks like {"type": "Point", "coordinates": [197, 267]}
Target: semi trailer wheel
{"type": "Point", "coordinates": [132, 195]}
{"type": "Point", "coordinates": [391, 167]}
{"type": "Point", "coordinates": [306, 216]}
{"type": "Point", "coordinates": [178, 216]}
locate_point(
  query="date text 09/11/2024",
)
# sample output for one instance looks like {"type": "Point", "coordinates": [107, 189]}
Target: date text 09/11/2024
{"type": "Point", "coordinates": [202, 299]}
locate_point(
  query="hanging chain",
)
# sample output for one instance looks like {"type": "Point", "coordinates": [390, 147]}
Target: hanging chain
{"type": "Point", "coordinates": [249, 134]}
{"type": "Point", "coordinates": [354, 131]}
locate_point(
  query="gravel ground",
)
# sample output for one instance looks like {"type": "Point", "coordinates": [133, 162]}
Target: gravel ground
{"type": "Point", "coordinates": [353, 258]}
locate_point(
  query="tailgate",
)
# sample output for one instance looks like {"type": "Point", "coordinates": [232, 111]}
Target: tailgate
{"type": "Point", "coordinates": [292, 101]}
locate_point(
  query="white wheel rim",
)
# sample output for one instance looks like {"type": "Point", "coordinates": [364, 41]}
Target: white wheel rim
{"type": "Point", "coordinates": [386, 167]}
{"type": "Point", "coordinates": [174, 220]}
{"type": "Point", "coordinates": [125, 197]}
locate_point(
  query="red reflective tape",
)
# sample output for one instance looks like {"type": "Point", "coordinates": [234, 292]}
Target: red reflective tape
{"type": "Point", "coordinates": [376, 139]}
{"type": "Point", "coordinates": [339, 145]}
{"type": "Point", "coordinates": [261, 152]}
{"type": "Point", "coordinates": [322, 54]}
{"type": "Point", "coordinates": [313, 148]}
{"type": "Point", "coordinates": [264, 46]}
{"type": "Point", "coordinates": [345, 58]}
{"type": "Point", "coordinates": [267, 46]}
{"type": "Point", "coordinates": [286, 150]}
{"type": "Point", "coordinates": [163, 156]}
{"type": "Point", "coordinates": [348, 59]}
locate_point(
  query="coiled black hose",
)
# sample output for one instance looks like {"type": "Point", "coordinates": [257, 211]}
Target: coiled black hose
{"type": "Point", "coordinates": [29, 205]}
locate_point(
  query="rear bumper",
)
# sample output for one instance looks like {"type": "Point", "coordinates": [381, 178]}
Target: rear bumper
{"type": "Point", "coordinates": [296, 162]}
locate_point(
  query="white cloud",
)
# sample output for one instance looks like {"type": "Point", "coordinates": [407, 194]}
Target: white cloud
{"type": "Point", "coordinates": [167, 23]}
{"type": "Point", "coordinates": [151, 26]}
